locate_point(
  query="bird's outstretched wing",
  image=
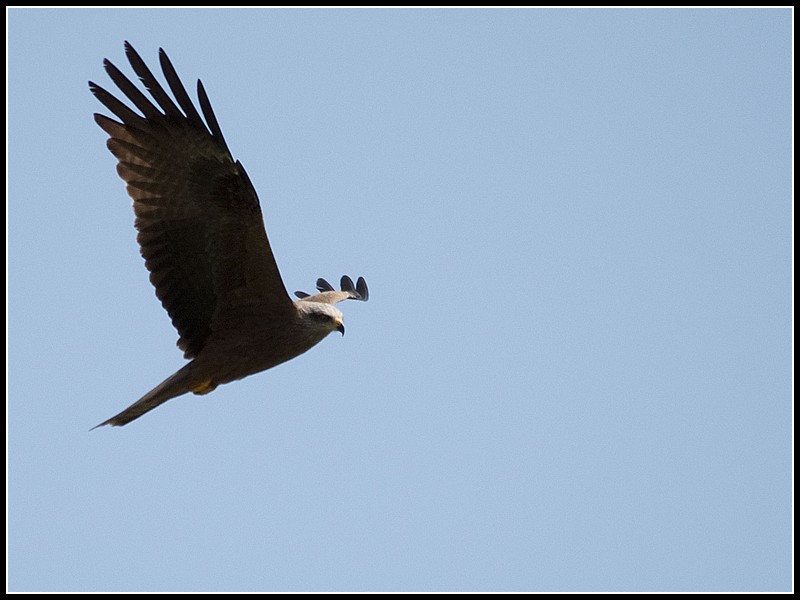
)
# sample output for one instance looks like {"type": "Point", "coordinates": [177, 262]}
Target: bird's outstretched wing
{"type": "Point", "coordinates": [328, 295]}
{"type": "Point", "coordinates": [200, 227]}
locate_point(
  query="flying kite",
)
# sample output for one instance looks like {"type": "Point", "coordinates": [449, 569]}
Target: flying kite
{"type": "Point", "coordinates": [202, 236]}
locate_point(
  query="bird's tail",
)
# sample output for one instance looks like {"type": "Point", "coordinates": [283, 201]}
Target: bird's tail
{"type": "Point", "coordinates": [175, 385]}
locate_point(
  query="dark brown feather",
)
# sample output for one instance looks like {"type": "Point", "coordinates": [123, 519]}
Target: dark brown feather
{"type": "Point", "coordinates": [199, 220]}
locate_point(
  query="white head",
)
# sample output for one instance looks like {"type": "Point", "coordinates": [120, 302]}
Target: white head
{"type": "Point", "coordinates": [319, 318]}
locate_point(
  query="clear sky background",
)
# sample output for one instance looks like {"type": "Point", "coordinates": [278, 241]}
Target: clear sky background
{"type": "Point", "coordinates": [574, 370]}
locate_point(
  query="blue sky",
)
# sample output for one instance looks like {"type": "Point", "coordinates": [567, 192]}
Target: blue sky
{"type": "Point", "coordinates": [574, 370]}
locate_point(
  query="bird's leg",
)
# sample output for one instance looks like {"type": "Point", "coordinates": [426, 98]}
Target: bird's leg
{"type": "Point", "coordinates": [203, 387]}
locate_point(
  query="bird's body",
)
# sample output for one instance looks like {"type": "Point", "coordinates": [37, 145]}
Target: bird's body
{"type": "Point", "coordinates": [202, 236]}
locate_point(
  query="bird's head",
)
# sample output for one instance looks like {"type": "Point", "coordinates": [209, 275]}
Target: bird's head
{"type": "Point", "coordinates": [320, 319]}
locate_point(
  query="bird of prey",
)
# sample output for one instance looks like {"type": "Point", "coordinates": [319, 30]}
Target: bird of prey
{"type": "Point", "coordinates": [202, 236]}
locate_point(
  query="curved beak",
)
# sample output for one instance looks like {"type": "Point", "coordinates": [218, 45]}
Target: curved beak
{"type": "Point", "coordinates": [340, 327]}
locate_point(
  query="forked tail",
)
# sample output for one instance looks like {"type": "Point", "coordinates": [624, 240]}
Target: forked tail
{"type": "Point", "coordinates": [174, 385]}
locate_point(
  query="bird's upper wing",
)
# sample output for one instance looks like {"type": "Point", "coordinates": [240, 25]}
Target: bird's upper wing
{"type": "Point", "coordinates": [328, 295]}
{"type": "Point", "coordinates": [200, 227]}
